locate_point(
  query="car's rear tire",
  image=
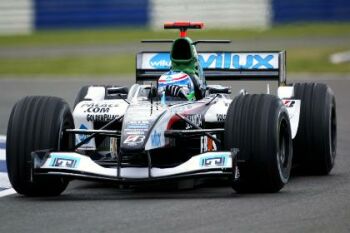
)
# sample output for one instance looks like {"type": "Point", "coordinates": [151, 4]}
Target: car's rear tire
{"type": "Point", "coordinates": [258, 125]}
{"type": "Point", "coordinates": [316, 140]}
{"type": "Point", "coordinates": [37, 123]}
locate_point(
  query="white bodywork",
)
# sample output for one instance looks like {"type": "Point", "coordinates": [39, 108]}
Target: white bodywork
{"type": "Point", "coordinates": [217, 112]}
{"type": "Point", "coordinates": [99, 107]}
{"type": "Point", "coordinates": [208, 162]}
{"type": "Point", "coordinates": [96, 107]}
{"type": "Point", "coordinates": [286, 93]}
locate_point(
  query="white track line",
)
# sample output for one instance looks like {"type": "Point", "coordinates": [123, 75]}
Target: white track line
{"type": "Point", "coordinates": [7, 192]}
{"type": "Point", "coordinates": [337, 58]}
{"type": "Point", "coordinates": [2, 154]}
{"type": "Point", "coordinates": [3, 176]}
{"type": "Point", "coordinates": [2, 151]}
{"type": "Point", "coordinates": [4, 181]}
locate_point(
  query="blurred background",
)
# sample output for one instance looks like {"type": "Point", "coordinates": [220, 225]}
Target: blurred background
{"type": "Point", "coordinates": [54, 47]}
{"type": "Point", "coordinates": [89, 38]}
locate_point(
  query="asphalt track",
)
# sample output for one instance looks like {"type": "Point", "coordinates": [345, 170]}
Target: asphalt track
{"type": "Point", "coordinates": [306, 204]}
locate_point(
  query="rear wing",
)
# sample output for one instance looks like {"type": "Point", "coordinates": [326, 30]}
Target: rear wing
{"type": "Point", "coordinates": [219, 65]}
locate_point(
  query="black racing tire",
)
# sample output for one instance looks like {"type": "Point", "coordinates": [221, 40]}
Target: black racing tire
{"type": "Point", "coordinates": [258, 125]}
{"type": "Point", "coordinates": [315, 144]}
{"type": "Point", "coordinates": [37, 123]}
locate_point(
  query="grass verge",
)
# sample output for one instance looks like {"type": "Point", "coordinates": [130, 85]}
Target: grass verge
{"type": "Point", "coordinates": [115, 36]}
{"type": "Point", "coordinates": [298, 59]}
{"type": "Point", "coordinates": [315, 60]}
{"type": "Point", "coordinates": [78, 65]}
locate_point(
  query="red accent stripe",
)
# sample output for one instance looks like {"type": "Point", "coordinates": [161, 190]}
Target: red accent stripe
{"type": "Point", "coordinates": [194, 110]}
{"type": "Point", "coordinates": [176, 79]}
{"type": "Point", "coordinates": [172, 121]}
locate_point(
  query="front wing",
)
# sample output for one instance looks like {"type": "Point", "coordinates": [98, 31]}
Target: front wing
{"type": "Point", "coordinates": [75, 165]}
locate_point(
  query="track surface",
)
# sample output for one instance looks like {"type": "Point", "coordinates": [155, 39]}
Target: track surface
{"type": "Point", "coordinates": [306, 204]}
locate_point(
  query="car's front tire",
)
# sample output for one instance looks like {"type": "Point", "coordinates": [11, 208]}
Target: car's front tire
{"type": "Point", "coordinates": [258, 125]}
{"type": "Point", "coordinates": [37, 123]}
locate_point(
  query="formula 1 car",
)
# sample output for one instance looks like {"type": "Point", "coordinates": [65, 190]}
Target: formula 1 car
{"type": "Point", "coordinates": [136, 136]}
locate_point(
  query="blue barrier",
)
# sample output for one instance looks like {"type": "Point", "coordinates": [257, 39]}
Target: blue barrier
{"type": "Point", "coordinates": [288, 11]}
{"type": "Point", "coordinates": [109, 13]}
{"type": "Point", "coordinates": [90, 13]}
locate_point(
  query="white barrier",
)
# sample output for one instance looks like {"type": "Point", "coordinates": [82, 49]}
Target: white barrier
{"type": "Point", "coordinates": [215, 14]}
{"type": "Point", "coordinates": [337, 58]}
{"type": "Point", "coordinates": [16, 16]}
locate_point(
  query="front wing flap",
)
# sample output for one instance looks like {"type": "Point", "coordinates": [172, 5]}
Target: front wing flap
{"type": "Point", "coordinates": [75, 165]}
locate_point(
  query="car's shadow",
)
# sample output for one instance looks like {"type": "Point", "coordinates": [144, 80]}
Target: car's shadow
{"type": "Point", "coordinates": [86, 191]}
{"type": "Point", "coordinates": [92, 191]}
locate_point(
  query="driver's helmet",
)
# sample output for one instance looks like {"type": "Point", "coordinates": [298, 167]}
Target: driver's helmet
{"type": "Point", "coordinates": [180, 79]}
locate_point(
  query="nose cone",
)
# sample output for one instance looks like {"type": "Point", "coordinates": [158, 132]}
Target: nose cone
{"type": "Point", "coordinates": [138, 121]}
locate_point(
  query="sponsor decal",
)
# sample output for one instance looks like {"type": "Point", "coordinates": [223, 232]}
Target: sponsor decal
{"type": "Point", "coordinates": [155, 138]}
{"type": "Point", "coordinates": [97, 110]}
{"type": "Point", "coordinates": [82, 136]}
{"type": "Point", "coordinates": [228, 61]}
{"type": "Point", "coordinates": [221, 117]}
{"type": "Point", "coordinates": [222, 61]}
{"type": "Point", "coordinates": [160, 61]}
{"type": "Point", "coordinates": [99, 105]}
{"type": "Point", "coordinates": [214, 160]}
{"type": "Point", "coordinates": [137, 125]}
{"type": "Point", "coordinates": [134, 139]}
{"type": "Point", "coordinates": [134, 132]}
{"type": "Point", "coordinates": [289, 103]}
{"type": "Point", "coordinates": [104, 117]}
{"type": "Point", "coordinates": [207, 144]}
{"type": "Point", "coordinates": [64, 161]}
{"type": "Point", "coordinates": [195, 118]}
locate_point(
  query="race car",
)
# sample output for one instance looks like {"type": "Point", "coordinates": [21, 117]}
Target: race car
{"type": "Point", "coordinates": [172, 126]}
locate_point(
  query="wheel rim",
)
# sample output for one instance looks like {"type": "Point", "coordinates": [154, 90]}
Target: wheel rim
{"type": "Point", "coordinates": [333, 135]}
{"type": "Point", "coordinates": [283, 151]}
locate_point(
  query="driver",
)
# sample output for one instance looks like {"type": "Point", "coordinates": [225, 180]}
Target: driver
{"type": "Point", "coordinates": [176, 84]}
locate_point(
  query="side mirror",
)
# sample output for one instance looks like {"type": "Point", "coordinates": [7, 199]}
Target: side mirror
{"type": "Point", "coordinates": [116, 91]}
{"type": "Point", "coordinates": [153, 92]}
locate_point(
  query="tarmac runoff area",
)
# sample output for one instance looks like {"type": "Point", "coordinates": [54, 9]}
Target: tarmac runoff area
{"type": "Point", "coordinates": [306, 204]}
